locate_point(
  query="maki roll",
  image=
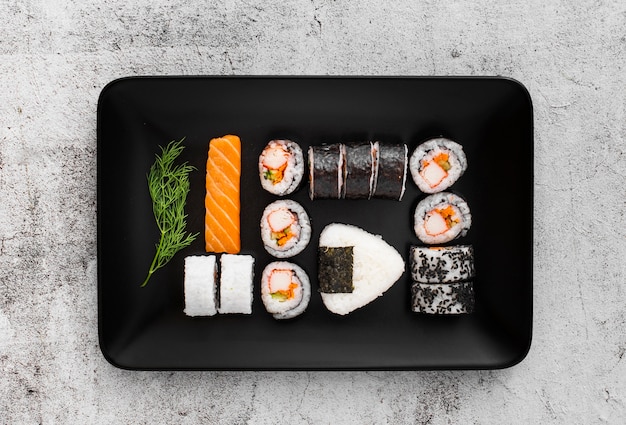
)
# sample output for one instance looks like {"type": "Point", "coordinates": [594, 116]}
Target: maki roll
{"type": "Point", "coordinates": [326, 171]}
{"type": "Point", "coordinates": [285, 290]}
{"type": "Point", "coordinates": [437, 164]}
{"type": "Point", "coordinates": [361, 165]}
{"type": "Point", "coordinates": [391, 171]}
{"type": "Point", "coordinates": [442, 264]}
{"type": "Point", "coordinates": [281, 167]}
{"type": "Point", "coordinates": [200, 285]}
{"type": "Point", "coordinates": [441, 217]}
{"type": "Point", "coordinates": [285, 228]}
{"type": "Point", "coordinates": [236, 274]}
{"type": "Point", "coordinates": [442, 298]}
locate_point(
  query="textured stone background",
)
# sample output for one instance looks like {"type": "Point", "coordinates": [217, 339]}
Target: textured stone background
{"type": "Point", "coordinates": [56, 56]}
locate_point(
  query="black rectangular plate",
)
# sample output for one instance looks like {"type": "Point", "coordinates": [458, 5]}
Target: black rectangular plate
{"type": "Point", "coordinates": [145, 328]}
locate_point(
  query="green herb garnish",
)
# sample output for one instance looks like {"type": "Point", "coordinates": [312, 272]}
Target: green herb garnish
{"type": "Point", "coordinates": [169, 186]}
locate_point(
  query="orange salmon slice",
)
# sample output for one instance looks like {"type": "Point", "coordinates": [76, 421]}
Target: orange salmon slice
{"type": "Point", "coordinates": [222, 203]}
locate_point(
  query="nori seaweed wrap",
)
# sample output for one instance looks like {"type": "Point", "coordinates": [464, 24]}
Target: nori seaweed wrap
{"type": "Point", "coordinates": [326, 171]}
{"type": "Point", "coordinates": [359, 180]}
{"type": "Point", "coordinates": [392, 169]}
{"type": "Point", "coordinates": [335, 269]}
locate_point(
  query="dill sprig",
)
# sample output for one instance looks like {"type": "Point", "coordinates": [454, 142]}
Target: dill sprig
{"type": "Point", "coordinates": [169, 185]}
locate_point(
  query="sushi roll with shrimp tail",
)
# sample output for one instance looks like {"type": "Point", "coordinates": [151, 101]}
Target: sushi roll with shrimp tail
{"type": "Point", "coordinates": [285, 228]}
{"type": "Point", "coordinates": [437, 164]}
{"type": "Point", "coordinates": [281, 167]}
{"type": "Point", "coordinates": [441, 217]}
{"type": "Point", "coordinates": [285, 290]}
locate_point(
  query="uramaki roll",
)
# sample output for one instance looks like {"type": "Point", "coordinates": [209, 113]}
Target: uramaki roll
{"type": "Point", "coordinates": [281, 167]}
{"type": "Point", "coordinates": [437, 164]}
{"type": "Point", "coordinates": [441, 217]}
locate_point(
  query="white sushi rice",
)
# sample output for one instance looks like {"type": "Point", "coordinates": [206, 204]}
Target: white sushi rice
{"type": "Point", "coordinates": [296, 244]}
{"type": "Point", "coordinates": [200, 285]}
{"type": "Point", "coordinates": [302, 294]}
{"type": "Point", "coordinates": [236, 275]}
{"type": "Point", "coordinates": [441, 201]}
{"type": "Point", "coordinates": [429, 150]}
{"type": "Point", "coordinates": [376, 266]}
{"type": "Point", "coordinates": [293, 173]}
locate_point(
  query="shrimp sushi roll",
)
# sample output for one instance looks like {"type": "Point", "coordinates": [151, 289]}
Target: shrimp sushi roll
{"type": "Point", "coordinates": [361, 164]}
{"type": "Point", "coordinates": [442, 298]}
{"type": "Point", "coordinates": [326, 171]}
{"type": "Point", "coordinates": [281, 167]}
{"type": "Point", "coordinates": [441, 217]}
{"type": "Point", "coordinates": [285, 290]}
{"type": "Point", "coordinates": [391, 171]}
{"type": "Point", "coordinates": [285, 228]}
{"type": "Point", "coordinates": [437, 164]}
{"type": "Point", "coordinates": [442, 264]}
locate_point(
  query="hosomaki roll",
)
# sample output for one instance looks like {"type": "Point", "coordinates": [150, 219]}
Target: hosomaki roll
{"type": "Point", "coordinates": [441, 217]}
{"type": "Point", "coordinates": [442, 298]}
{"type": "Point", "coordinates": [442, 264]}
{"type": "Point", "coordinates": [285, 228]}
{"type": "Point", "coordinates": [391, 171]}
{"type": "Point", "coordinates": [437, 164]}
{"type": "Point", "coordinates": [326, 171]}
{"type": "Point", "coordinates": [281, 167]}
{"type": "Point", "coordinates": [285, 289]}
{"type": "Point", "coordinates": [361, 161]}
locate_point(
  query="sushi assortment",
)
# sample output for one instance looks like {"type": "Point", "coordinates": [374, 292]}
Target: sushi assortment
{"type": "Point", "coordinates": [442, 276]}
{"type": "Point", "coordinates": [355, 267]}
{"type": "Point", "coordinates": [358, 171]}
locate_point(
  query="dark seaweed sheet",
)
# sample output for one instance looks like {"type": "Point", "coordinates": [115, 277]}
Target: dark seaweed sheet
{"type": "Point", "coordinates": [335, 269]}
{"type": "Point", "coordinates": [325, 172]}
{"type": "Point", "coordinates": [391, 166]}
{"type": "Point", "coordinates": [358, 170]}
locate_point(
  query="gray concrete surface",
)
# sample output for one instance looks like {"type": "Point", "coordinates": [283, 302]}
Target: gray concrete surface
{"type": "Point", "coordinates": [56, 55]}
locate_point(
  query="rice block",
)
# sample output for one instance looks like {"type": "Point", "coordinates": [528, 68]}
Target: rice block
{"type": "Point", "coordinates": [237, 272]}
{"type": "Point", "coordinates": [200, 285]}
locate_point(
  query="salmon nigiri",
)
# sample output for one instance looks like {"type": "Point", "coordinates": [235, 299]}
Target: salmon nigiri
{"type": "Point", "coordinates": [222, 222]}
